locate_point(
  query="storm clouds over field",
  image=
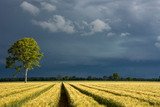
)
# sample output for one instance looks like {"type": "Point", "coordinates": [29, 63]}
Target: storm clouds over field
{"type": "Point", "coordinates": [85, 37]}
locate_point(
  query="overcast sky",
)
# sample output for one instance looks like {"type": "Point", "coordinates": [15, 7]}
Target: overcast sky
{"type": "Point", "coordinates": [85, 37]}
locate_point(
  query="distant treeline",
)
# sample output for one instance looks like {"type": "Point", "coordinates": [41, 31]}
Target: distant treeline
{"type": "Point", "coordinates": [113, 77]}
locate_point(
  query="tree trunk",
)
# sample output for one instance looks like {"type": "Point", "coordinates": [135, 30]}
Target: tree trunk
{"type": "Point", "coordinates": [26, 75]}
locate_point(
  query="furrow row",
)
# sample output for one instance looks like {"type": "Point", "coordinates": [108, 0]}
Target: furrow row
{"type": "Point", "coordinates": [148, 99]}
{"type": "Point", "coordinates": [78, 99]}
{"type": "Point", "coordinates": [102, 100]}
{"type": "Point", "coordinates": [110, 97]}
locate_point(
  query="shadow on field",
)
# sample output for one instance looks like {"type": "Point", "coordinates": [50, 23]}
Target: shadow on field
{"type": "Point", "coordinates": [63, 98]}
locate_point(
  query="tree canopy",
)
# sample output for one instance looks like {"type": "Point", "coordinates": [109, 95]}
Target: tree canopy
{"type": "Point", "coordinates": [24, 54]}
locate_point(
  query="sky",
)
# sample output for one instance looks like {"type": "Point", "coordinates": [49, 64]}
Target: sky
{"type": "Point", "coordinates": [85, 37]}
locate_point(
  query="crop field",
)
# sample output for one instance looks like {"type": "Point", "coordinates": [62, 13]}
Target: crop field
{"type": "Point", "coordinates": [80, 94]}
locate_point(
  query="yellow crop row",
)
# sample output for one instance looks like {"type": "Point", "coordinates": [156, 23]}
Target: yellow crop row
{"type": "Point", "coordinates": [77, 99]}
{"type": "Point", "coordinates": [147, 98]}
{"type": "Point", "coordinates": [49, 98]}
{"type": "Point", "coordinates": [15, 89]}
{"type": "Point", "coordinates": [16, 98]}
{"type": "Point", "coordinates": [123, 100]}
{"type": "Point", "coordinates": [127, 89]}
{"type": "Point", "coordinates": [147, 87]}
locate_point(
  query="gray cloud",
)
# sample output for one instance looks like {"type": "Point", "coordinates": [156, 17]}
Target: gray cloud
{"type": "Point", "coordinates": [56, 24]}
{"type": "Point", "coordinates": [99, 26]}
{"type": "Point", "coordinates": [158, 38]}
{"type": "Point", "coordinates": [47, 6]}
{"type": "Point", "coordinates": [157, 44]}
{"type": "Point", "coordinates": [111, 34]}
{"type": "Point", "coordinates": [95, 26]}
{"type": "Point", "coordinates": [32, 9]}
{"type": "Point", "coordinates": [124, 34]}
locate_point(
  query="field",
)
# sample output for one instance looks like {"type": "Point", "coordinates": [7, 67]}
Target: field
{"type": "Point", "coordinates": [80, 94]}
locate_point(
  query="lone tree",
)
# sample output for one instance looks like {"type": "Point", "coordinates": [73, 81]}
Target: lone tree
{"type": "Point", "coordinates": [115, 76]}
{"type": "Point", "coordinates": [24, 55]}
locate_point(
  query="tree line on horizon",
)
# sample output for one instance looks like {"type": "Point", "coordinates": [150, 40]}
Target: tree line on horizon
{"type": "Point", "coordinates": [113, 77]}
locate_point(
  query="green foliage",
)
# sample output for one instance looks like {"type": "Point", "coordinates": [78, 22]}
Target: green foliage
{"type": "Point", "coordinates": [24, 54]}
{"type": "Point", "coordinates": [115, 76]}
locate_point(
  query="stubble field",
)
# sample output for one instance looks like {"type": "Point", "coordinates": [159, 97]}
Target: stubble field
{"type": "Point", "coordinates": [80, 94]}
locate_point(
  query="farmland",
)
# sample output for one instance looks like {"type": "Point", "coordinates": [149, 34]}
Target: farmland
{"type": "Point", "coordinates": [80, 94]}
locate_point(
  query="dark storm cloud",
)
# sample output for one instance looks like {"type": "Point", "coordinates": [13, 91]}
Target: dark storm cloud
{"type": "Point", "coordinates": [90, 37]}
